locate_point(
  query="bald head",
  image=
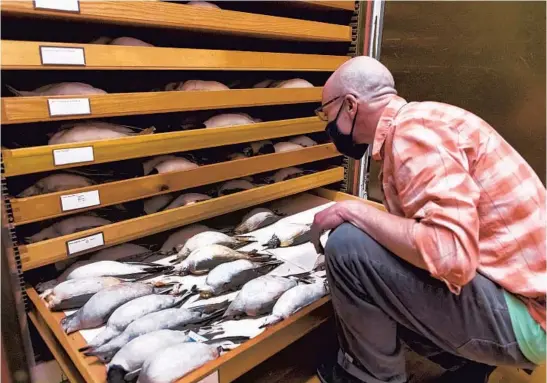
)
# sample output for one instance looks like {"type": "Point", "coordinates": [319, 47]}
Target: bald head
{"type": "Point", "coordinates": [363, 76]}
{"type": "Point", "coordinates": [356, 95]}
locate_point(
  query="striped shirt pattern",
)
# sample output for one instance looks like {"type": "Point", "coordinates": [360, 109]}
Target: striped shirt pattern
{"type": "Point", "coordinates": [480, 205]}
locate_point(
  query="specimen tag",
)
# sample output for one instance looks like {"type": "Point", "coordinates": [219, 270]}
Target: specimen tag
{"type": "Point", "coordinates": [58, 5]}
{"type": "Point", "coordinates": [62, 56]}
{"type": "Point", "coordinates": [196, 337]}
{"type": "Point", "coordinates": [80, 200]}
{"type": "Point", "coordinates": [85, 243]}
{"type": "Point", "coordinates": [68, 106]}
{"type": "Point", "coordinates": [73, 155]}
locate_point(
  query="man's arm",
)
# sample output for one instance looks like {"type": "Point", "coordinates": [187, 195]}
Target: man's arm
{"type": "Point", "coordinates": [436, 190]}
{"type": "Point", "coordinates": [440, 230]}
{"type": "Point", "coordinates": [394, 233]}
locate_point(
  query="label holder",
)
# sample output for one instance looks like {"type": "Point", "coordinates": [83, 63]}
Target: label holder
{"type": "Point", "coordinates": [54, 46]}
{"type": "Point", "coordinates": [38, 8]}
{"type": "Point", "coordinates": [76, 162]}
{"type": "Point", "coordinates": [69, 254]}
{"type": "Point", "coordinates": [87, 194]}
{"type": "Point", "coordinates": [72, 114]}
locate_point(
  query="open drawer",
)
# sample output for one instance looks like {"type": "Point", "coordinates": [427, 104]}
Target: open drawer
{"type": "Point", "coordinates": [230, 365]}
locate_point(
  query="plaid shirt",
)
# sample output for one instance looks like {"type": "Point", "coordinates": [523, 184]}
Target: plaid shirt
{"type": "Point", "coordinates": [480, 205]}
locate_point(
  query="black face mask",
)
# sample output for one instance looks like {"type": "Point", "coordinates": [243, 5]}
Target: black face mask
{"type": "Point", "coordinates": [344, 143]}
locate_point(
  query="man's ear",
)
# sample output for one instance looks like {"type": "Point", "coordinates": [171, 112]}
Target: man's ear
{"type": "Point", "coordinates": [351, 104]}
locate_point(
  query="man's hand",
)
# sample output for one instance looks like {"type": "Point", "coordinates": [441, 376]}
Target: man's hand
{"type": "Point", "coordinates": [393, 232]}
{"type": "Point", "coordinates": [329, 219]}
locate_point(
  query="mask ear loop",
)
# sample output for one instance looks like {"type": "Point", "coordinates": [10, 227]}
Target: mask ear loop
{"type": "Point", "coordinates": [335, 121]}
{"type": "Point", "coordinates": [353, 125]}
{"type": "Point", "coordinates": [339, 111]}
{"type": "Point", "coordinates": [338, 115]}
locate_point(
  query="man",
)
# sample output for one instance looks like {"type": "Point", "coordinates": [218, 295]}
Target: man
{"type": "Point", "coordinates": [456, 267]}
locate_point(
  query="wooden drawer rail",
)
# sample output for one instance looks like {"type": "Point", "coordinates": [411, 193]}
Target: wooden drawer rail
{"type": "Point", "coordinates": [32, 209]}
{"type": "Point", "coordinates": [27, 55]}
{"type": "Point", "coordinates": [16, 110]}
{"type": "Point", "coordinates": [62, 358]}
{"type": "Point", "coordinates": [40, 158]}
{"type": "Point", "coordinates": [181, 16]}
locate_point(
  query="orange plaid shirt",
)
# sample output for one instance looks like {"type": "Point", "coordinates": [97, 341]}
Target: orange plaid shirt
{"type": "Point", "coordinates": [480, 205]}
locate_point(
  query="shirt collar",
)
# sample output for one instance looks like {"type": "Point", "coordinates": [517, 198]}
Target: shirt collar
{"type": "Point", "coordinates": [384, 125]}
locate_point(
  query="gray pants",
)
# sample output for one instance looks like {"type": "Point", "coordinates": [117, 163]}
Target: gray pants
{"type": "Point", "coordinates": [379, 299]}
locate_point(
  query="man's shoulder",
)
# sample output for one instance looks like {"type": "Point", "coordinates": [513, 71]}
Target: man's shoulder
{"type": "Point", "coordinates": [436, 116]}
{"type": "Point", "coordinates": [431, 110]}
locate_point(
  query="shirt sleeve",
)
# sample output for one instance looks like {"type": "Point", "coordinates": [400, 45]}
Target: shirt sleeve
{"type": "Point", "coordinates": [435, 188]}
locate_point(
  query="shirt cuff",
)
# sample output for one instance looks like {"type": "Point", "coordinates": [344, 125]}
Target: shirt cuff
{"type": "Point", "coordinates": [429, 251]}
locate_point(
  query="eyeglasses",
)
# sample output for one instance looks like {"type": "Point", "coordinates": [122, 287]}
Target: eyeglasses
{"type": "Point", "coordinates": [319, 112]}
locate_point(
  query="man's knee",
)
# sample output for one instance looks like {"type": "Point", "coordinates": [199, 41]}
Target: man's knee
{"type": "Point", "coordinates": [347, 242]}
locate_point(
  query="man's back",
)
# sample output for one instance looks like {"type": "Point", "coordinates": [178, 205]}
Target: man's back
{"type": "Point", "coordinates": [456, 267]}
{"type": "Point", "coordinates": [441, 152]}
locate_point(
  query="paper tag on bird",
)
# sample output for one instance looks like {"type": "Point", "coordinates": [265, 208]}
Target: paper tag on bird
{"type": "Point", "coordinates": [68, 106]}
{"type": "Point", "coordinates": [80, 200]}
{"type": "Point", "coordinates": [196, 337]}
{"type": "Point", "coordinates": [319, 262]}
{"type": "Point", "coordinates": [73, 155]}
{"type": "Point", "coordinates": [58, 5]}
{"type": "Point", "coordinates": [62, 56]}
{"type": "Point", "coordinates": [85, 243]}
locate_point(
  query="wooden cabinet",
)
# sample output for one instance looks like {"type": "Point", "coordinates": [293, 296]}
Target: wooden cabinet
{"type": "Point", "coordinates": [238, 47]}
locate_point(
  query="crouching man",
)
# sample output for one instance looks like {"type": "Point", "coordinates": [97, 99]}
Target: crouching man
{"type": "Point", "coordinates": [456, 267]}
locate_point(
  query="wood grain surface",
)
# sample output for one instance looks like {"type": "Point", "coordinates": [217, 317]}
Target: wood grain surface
{"type": "Point", "coordinates": [60, 355]}
{"type": "Point", "coordinates": [26, 55]}
{"type": "Point", "coordinates": [53, 250]}
{"type": "Point", "coordinates": [32, 209]}
{"type": "Point", "coordinates": [34, 109]}
{"type": "Point", "coordinates": [181, 16]}
{"type": "Point", "coordinates": [40, 158]}
{"type": "Point", "coordinates": [90, 368]}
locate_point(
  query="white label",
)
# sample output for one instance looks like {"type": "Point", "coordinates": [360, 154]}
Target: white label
{"type": "Point", "coordinates": [86, 243]}
{"type": "Point", "coordinates": [58, 5]}
{"type": "Point", "coordinates": [196, 337]}
{"type": "Point", "coordinates": [73, 155]}
{"type": "Point", "coordinates": [62, 56]}
{"type": "Point", "coordinates": [69, 106]}
{"type": "Point", "coordinates": [80, 200]}
{"type": "Point", "coordinates": [211, 378]}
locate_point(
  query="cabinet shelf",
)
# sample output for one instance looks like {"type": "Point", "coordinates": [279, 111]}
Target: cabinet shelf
{"type": "Point", "coordinates": [247, 42]}
{"type": "Point", "coordinates": [22, 55]}
{"type": "Point", "coordinates": [181, 16]}
{"type": "Point", "coordinates": [229, 366]}
{"type": "Point", "coordinates": [32, 209]}
{"type": "Point", "coordinates": [53, 250]}
{"type": "Point", "coordinates": [41, 158]}
{"type": "Point", "coordinates": [17, 110]}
